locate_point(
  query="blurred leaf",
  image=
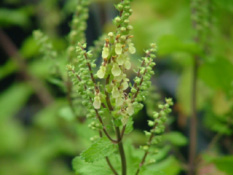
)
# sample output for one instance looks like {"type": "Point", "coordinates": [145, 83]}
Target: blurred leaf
{"type": "Point", "coordinates": [17, 17]}
{"type": "Point", "coordinates": [176, 138]}
{"type": "Point", "coordinates": [170, 44]}
{"type": "Point", "coordinates": [217, 74]}
{"type": "Point", "coordinates": [98, 150]}
{"type": "Point", "coordinates": [29, 47]}
{"type": "Point", "coordinates": [184, 91]}
{"type": "Point", "coordinates": [8, 68]}
{"type": "Point", "coordinates": [13, 99]}
{"type": "Point", "coordinates": [224, 164]}
{"type": "Point", "coordinates": [48, 117]}
{"type": "Point", "coordinates": [12, 137]}
{"type": "Point", "coordinates": [66, 113]}
{"type": "Point", "coordinates": [169, 166]}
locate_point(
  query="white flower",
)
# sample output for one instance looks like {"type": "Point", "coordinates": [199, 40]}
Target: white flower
{"type": "Point", "coordinates": [101, 72]}
{"type": "Point", "coordinates": [121, 59]}
{"type": "Point", "coordinates": [119, 101]}
{"type": "Point", "coordinates": [127, 65]}
{"type": "Point", "coordinates": [97, 102]}
{"type": "Point", "coordinates": [118, 48]}
{"type": "Point", "coordinates": [115, 92]}
{"type": "Point", "coordinates": [130, 110]}
{"type": "Point", "coordinates": [105, 52]}
{"type": "Point", "coordinates": [125, 85]}
{"type": "Point", "coordinates": [132, 49]}
{"type": "Point", "coordinates": [116, 71]}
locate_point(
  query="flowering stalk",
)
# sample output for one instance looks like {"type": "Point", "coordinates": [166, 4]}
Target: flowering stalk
{"type": "Point", "coordinates": [108, 91]}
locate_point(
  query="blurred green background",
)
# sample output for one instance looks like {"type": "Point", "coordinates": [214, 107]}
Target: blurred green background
{"type": "Point", "coordinates": [40, 135]}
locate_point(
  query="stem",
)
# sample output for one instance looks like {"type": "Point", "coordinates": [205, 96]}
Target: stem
{"type": "Point", "coordinates": [107, 159]}
{"type": "Point", "coordinates": [122, 152]}
{"type": "Point", "coordinates": [193, 122]}
{"type": "Point", "coordinates": [110, 165]}
{"type": "Point", "coordinates": [40, 90]}
{"type": "Point", "coordinates": [193, 119]}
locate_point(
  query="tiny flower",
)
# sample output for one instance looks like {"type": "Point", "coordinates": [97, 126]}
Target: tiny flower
{"type": "Point", "coordinates": [97, 102]}
{"type": "Point", "coordinates": [121, 59]}
{"type": "Point", "coordinates": [101, 72]}
{"type": "Point", "coordinates": [116, 71]}
{"type": "Point", "coordinates": [125, 85]}
{"type": "Point", "coordinates": [119, 101]}
{"type": "Point", "coordinates": [127, 65]}
{"type": "Point", "coordinates": [130, 110]}
{"type": "Point", "coordinates": [105, 52]}
{"type": "Point", "coordinates": [132, 49]}
{"type": "Point", "coordinates": [115, 92]}
{"type": "Point", "coordinates": [118, 48]}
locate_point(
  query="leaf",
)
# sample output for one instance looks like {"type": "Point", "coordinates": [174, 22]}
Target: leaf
{"type": "Point", "coordinates": [66, 113]}
{"type": "Point", "coordinates": [171, 43]}
{"type": "Point", "coordinates": [97, 168]}
{"type": "Point", "coordinates": [13, 99]}
{"type": "Point", "coordinates": [13, 17]}
{"type": "Point", "coordinates": [98, 150]}
{"type": "Point", "coordinates": [169, 166]}
{"type": "Point", "coordinates": [29, 47]}
{"type": "Point", "coordinates": [217, 74]}
{"type": "Point", "coordinates": [8, 68]}
{"type": "Point", "coordinates": [129, 126]}
{"type": "Point", "coordinates": [48, 117]}
{"type": "Point", "coordinates": [224, 164]}
{"type": "Point", "coordinates": [176, 138]}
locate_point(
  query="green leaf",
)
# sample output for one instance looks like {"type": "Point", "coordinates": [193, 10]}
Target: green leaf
{"type": "Point", "coordinates": [171, 43]}
{"type": "Point", "coordinates": [13, 99]}
{"type": "Point", "coordinates": [29, 47]}
{"type": "Point", "coordinates": [217, 74]}
{"type": "Point", "coordinates": [97, 168]}
{"type": "Point", "coordinates": [98, 150]}
{"type": "Point", "coordinates": [8, 68]}
{"type": "Point", "coordinates": [129, 126]}
{"type": "Point", "coordinates": [66, 113]}
{"type": "Point", "coordinates": [224, 164]}
{"type": "Point", "coordinates": [176, 138]}
{"type": "Point", "coordinates": [13, 17]}
{"type": "Point", "coordinates": [169, 166]}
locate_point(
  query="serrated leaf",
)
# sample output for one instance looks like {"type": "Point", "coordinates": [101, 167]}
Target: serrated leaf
{"type": "Point", "coordinates": [97, 168]}
{"type": "Point", "coordinates": [129, 126]}
{"type": "Point", "coordinates": [98, 150]}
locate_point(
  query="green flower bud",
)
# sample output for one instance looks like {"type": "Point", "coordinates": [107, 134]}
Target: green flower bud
{"type": "Point", "coordinates": [151, 123]}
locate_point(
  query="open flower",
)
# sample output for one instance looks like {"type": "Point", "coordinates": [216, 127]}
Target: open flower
{"type": "Point", "coordinates": [101, 72]}
{"type": "Point", "coordinates": [118, 48]}
{"type": "Point", "coordinates": [105, 52]}
{"type": "Point", "coordinates": [97, 102]}
{"type": "Point", "coordinates": [132, 49]}
{"type": "Point", "coordinates": [116, 71]}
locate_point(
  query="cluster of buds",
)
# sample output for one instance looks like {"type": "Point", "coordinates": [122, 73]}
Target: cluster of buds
{"type": "Point", "coordinates": [158, 124]}
{"type": "Point", "coordinates": [46, 46]}
{"type": "Point", "coordinates": [78, 27]}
